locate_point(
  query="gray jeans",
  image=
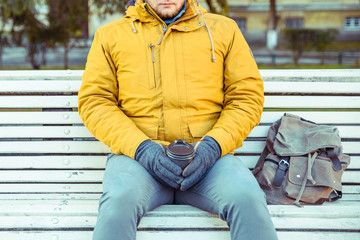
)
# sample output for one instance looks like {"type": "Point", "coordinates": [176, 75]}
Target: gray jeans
{"type": "Point", "coordinates": [229, 190]}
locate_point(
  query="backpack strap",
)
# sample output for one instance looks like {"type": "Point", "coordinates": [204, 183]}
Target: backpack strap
{"type": "Point", "coordinates": [308, 176]}
{"type": "Point", "coordinates": [281, 171]}
{"type": "Point", "coordinates": [335, 195]}
{"type": "Point", "coordinates": [334, 158]}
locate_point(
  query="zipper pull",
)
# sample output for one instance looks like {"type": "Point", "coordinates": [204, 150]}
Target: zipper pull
{"type": "Point", "coordinates": [152, 47]}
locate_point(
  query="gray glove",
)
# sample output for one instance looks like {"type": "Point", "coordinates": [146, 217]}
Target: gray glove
{"type": "Point", "coordinates": [207, 152]}
{"type": "Point", "coordinates": [152, 156]}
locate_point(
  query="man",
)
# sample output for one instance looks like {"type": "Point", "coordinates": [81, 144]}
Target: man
{"type": "Point", "coordinates": [166, 71]}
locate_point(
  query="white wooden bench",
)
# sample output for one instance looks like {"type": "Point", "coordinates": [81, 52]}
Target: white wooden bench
{"type": "Point", "coordinates": [51, 168]}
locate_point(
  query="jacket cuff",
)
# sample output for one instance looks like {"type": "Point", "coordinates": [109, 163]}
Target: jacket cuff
{"type": "Point", "coordinates": [130, 146]}
{"type": "Point", "coordinates": [224, 139]}
{"type": "Point", "coordinates": [213, 144]}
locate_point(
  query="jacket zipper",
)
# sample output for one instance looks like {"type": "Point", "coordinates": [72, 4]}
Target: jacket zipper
{"type": "Point", "coordinates": [164, 31]}
{"type": "Point", "coordinates": [157, 18]}
{"type": "Point", "coordinates": [152, 48]}
{"type": "Point", "coordinates": [165, 27]}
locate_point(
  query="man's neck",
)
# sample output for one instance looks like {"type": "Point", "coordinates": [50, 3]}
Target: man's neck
{"type": "Point", "coordinates": [174, 19]}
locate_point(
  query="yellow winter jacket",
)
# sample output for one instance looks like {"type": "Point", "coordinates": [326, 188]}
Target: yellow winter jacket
{"type": "Point", "coordinates": [145, 80]}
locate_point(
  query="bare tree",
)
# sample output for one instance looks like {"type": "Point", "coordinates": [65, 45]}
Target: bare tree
{"type": "Point", "coordinates": [223, 6]}
{"type": "Point", "coordinates": [272, 31]}
{"type": "Point", "coordinates": [66, 18]}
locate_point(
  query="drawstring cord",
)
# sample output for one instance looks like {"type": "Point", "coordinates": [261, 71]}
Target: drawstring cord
{"type": "Point", "coordinates": [133, 26]}
{"type": "Point", "coordinates": [207, 28]}
{"type": "Point", "coordinates": [308, 176]}
{"type": "Point", "coordinates": [211, 40]}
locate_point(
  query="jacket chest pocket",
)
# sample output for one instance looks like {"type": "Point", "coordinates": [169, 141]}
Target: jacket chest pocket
{"type": "Point", "coordinates": [146, 74]}
{"type": "Point", "coordinates": [136, 69]}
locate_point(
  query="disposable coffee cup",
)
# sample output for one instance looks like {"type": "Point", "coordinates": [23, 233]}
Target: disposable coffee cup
{"type": "Point", "coordinates": [181, 153]}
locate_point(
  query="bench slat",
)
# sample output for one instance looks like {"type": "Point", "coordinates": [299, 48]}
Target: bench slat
{"type": "Point", "coordinates": [95, 196]}
{"type": "Point", "coordinates": [96, 162]}
{"type": "Point", "coordinates": [8, 188]}
{"type": "Point", "coordinates": [278, 75]}
{"type": "Point", "coordinates": [86, 209]}
{"type": "Point", "coordinates": [345, 131]}
{"type": "Point", "coordinates": [61, 196]}
{"type": "Point", "coordinates": [315, 102]}
{"type": "Point", "coordinates": [253, 147]}
{"type": "Point", "coordinates": [36, 176]}
{"type": "Point", "coordinates": [59, 188]}
{"type": "Point", "coordinates": [162, 223]}
{"type": "Point", "coordinates": [309, 224]}
{"type": "Point", "coordinates": [93, 188]}
{"type": "Point", "coordinates": [321, 117]}
{"type": "Point", "coordinates": [93, 176]}
{"type": "Point", "coordinates": [38, 101]}
{"type": "Point", "coordinates": [258, 146]}
{"type": "Point", "coordinates": [82, 132]}
{"type": "Point", "coordinates": [53, 162]}
{"type": "Point", "coordinates": [40, 118]}
{"type": "Point", "coordinates": [89, 208]}
{"type": "Point", "coordinates": [310, 75]}
{"type": "Point", "coordinates": [51, 206]}
{"type": "Point", "coordinates": [327, 102]}
{"type": "Point", "coordinates": [40, 86]}
{"type": "Point", "coordinates": [65, 86]}
{"type": "Point", "coordinates": [328, 117]}
{"type": "Point", "coordinates": [41, 75]}
{"type": "Point", "coordinates": [174, 235]}
{"type": "Point", "coordinates": [53, 147]}
{"type": "Point", "coordinates": [45, 132]}
{"type": "Point", "coordinates": [313, 87]}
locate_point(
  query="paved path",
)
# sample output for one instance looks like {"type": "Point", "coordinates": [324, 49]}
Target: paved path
{"type": "Point", "coordinates": [18, 57]}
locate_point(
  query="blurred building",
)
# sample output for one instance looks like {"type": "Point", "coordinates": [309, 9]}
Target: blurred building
{"type": "Point", "coordinates": [253, 17]}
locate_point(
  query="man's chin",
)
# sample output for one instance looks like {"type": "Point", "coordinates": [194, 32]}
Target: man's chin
{"type": "Point", "coordinates": [166, 16]}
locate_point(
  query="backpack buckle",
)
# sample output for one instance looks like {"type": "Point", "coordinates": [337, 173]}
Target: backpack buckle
{"type": "Point", "coordinates": [284, 165]}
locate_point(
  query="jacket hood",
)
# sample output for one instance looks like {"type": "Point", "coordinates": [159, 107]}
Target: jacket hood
{"type": "Point", "coordinates": [131, 3]}
{"type": "Point", "coordinates": [138, 11]}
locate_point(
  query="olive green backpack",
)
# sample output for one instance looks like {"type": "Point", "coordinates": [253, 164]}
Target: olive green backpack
{"type": "Point", "coordinates": [302, 162]}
